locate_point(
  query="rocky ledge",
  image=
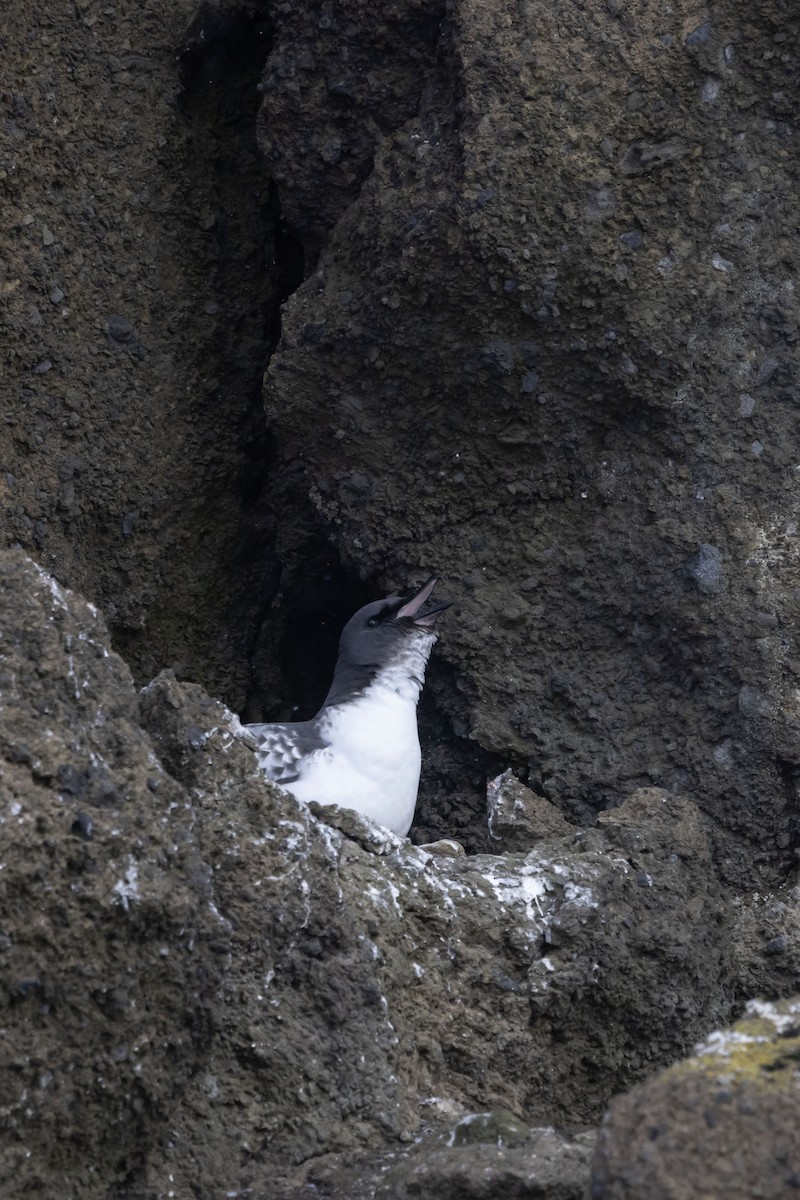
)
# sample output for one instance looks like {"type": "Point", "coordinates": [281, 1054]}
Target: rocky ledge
{"type": "Point", "coordinates": [203, 981]}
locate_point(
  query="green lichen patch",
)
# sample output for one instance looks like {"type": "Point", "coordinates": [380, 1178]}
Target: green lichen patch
{"type": "Point", "coordinates": [762, 1048]}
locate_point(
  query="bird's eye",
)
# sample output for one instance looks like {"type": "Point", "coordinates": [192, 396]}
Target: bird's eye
{"type": "Point", "coordinates": [372, 622]}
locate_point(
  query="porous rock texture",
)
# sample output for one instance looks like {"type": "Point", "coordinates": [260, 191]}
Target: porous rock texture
{"type": "Point", "coordinates": [206, 985]}
{"type": "Point", "coordinates": [493, 1154]}
{"type": "Point", "coordinates": [723, 1123]}
{"type": "Point", "coordinates": [539, 336]}
{"type": "Point", "coordinates": [550, 349]}
{"type": "Point", "coordinates": [137, 237]}
{"type": "Point", "coordinates": [546, 347]}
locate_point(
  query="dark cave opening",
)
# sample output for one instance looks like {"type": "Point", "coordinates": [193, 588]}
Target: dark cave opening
{"type": "Point", "coordinates": [318, 596]}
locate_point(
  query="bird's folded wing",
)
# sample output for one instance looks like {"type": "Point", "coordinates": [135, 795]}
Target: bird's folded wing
{"type": "Point", "coordinates": [281, 748]}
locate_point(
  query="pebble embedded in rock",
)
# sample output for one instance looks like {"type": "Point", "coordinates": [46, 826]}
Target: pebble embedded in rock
{"type": "Point", "coordinates": [497, 358]}
{"type": "Point", "coordinates": [83, 826]}
{"type": "Point", "coordinates": [699, 36]}
{"type": "Point", "coordinates": [752, 702]}
{"type": "Point", "coordinates": [128, 523]}
{"type": "Point", "coordinates": [706, 568]}
{"type": "Point", "coordinates": [120, 329]}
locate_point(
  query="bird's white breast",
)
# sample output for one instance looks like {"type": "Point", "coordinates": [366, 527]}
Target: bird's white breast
{"type": "Point", "coordinates": [373, 761]}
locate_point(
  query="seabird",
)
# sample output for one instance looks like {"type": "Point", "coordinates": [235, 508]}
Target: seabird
{"type": "Point", "coordinates": [361, 750]}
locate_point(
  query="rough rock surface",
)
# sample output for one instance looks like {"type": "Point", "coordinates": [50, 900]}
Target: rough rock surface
{"type": "Point", "coordinates": [723, 1123]}
{"type": "Point", "coordinates": [550, 350]}
{"type": "Point", "coordinates": [203, 981]}
{"type": "Point", "coordinates": [517, 817]}
{"type": "Point", "coordinates": [767, 934]}
{"type": "Point", "coordinates": [137, 220]}
{"type": "Point", "coordinates": [546, 346]}
{"type": "Point", "coordinates": [338, 78]}
{"type": "Point", "coordinates": [103, 896]}
{"type": "Point", "coordinates": [493, 1154]}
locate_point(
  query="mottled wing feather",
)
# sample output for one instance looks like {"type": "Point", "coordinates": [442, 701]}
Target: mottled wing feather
{"type": "Point", "coordinates": [281, 748]}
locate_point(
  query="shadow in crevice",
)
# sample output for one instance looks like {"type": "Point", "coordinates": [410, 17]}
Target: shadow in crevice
{"type": "Point", "coordinates": [234, 261]}
{"type": "Point", "coordinates": [296, 652]}
{"type": "Point", "coordinates": [455, 768]}
{"type": "Point", "coordinates": [218, 297]}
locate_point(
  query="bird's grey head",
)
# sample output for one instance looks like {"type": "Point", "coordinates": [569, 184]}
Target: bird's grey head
{"type": "Point", "coordinates": [384, 632]}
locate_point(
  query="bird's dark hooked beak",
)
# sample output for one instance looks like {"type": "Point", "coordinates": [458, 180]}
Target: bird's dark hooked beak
{"type": "Point", "coordinates": [411, 608]}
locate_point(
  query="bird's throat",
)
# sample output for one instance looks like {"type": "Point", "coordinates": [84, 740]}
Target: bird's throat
{"type": "Point", "coordinates": [404, 674]}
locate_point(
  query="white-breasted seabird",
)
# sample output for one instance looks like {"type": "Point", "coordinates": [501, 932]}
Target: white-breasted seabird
{"type": "Point", "coordinates": [361, 750]}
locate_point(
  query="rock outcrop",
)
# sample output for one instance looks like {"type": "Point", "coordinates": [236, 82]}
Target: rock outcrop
{"type": "Point", "coordinates": [517, 818]}
{"type": "Point", "coordinates": [723, 1123]}
{"type": "Point", "coordinates": [204, 980]}
{"type": "Point", "coordinates": [523, 277]}
{"type": "Point", "coordinates": [545, 346]}
{"type": "Point", "coordinates": [493, 1154]}
{"type": "Point", "coordinates": [136, 326]}
{"type": "Point", "coordinates": [549, 350]}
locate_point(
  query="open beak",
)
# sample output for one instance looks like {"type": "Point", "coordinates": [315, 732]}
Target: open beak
{"type": "Point", "coordinates": [411, 608]}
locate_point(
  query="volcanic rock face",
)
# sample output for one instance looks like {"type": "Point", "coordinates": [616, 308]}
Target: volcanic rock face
{"type": "Point", "coordinates": [550, 349]}
{"type": "Point", "coordinates": [539, 335]}
{"type": "Point", "coordinates": [203, 980]}
{"type": "Point", "coordinates": [744, 1085]}
{"type": "Point", "coordinates": [137, 225]}
{"type": "Point", "coordinates": [103, 896]}
{"type": "Point", "coordinates": [546, 348]}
